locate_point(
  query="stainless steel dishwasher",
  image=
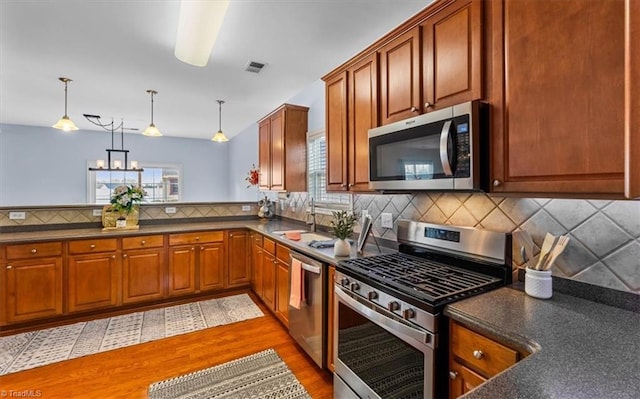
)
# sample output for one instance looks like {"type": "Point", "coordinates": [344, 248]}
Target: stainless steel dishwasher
{"type": "Point", "coordinates": [307, 312]}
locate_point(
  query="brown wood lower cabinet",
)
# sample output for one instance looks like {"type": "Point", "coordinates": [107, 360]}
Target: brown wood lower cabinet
{"type": "Point", "coordinates": [268, 278]}
{"type": "Point", "coordinates": [211, 264]}
{"type": "Point", "coordinates": [282, 283]}
{"type": "Point", "coordinates": [474, 358]}
{"type": "Point", "coordinates": [238, 260]}
{"type": "Point", "coordinates": [182, 270]}
{"type": "Point", "coordinates": [256, 263]}
{"type": "Point", "coordinates": [200, 254]}
{"type": "Point", "coordinates": [93, 281]}
{"type": "Point", "coordinates": [330, 311]}
{"type": "Point", "coordinates": [143, 273]}
{"type": "Point", "coordinates": [33, 288]}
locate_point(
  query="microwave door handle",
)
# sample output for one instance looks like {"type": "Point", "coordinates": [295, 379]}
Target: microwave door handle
{"type": "Point", "coordinates": [444, 149]}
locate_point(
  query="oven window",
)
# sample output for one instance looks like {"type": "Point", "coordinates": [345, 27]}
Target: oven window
{"type": "Point", "coordinates": [389, 366]}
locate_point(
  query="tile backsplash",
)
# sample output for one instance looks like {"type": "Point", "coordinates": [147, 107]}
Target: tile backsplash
{"type": "Point", "coordinates": [605, 235]}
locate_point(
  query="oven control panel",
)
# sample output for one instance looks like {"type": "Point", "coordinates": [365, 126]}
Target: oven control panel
{"type": "Point", "coordinates": [386, 302]}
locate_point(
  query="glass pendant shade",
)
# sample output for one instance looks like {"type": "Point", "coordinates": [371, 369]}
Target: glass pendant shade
{"type": "Point", "coordinates": [65, 124]}
{"type": "Point", "coordinates": [152, 131]}
{"type": "Point", "coordinates": [219, 137]}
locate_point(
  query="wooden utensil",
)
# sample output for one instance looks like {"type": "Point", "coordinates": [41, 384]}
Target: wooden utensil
{"type": "Point", "coordinates": [547, 245]}
{"type": "Point", "coordinates": [562, 243]}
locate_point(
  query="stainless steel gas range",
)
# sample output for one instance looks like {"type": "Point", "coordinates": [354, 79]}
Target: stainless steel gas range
{"type": "Point", "coordinates": [391, 340]}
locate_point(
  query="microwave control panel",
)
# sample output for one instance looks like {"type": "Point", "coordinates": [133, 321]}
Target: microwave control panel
{"type": "Point", "coordinates": [463, 146]}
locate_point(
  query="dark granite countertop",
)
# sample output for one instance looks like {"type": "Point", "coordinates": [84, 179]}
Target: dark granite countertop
{"type": "Point", "coordinates": [266, 228]}
{"type": "Point", "coordinates": [581, 349]}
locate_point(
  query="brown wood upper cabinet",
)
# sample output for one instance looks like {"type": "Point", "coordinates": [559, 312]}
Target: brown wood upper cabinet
{"type": "Point", "coordinates": [400, 86]}
{"type": "Point", "coordinates": [452, 55]}
{"type": "Point", "coordinates": [352, 109]}
{"type": "Point", "coordinates": [282, 147]}
{"type": "Point", "coordinates": [558, 96]}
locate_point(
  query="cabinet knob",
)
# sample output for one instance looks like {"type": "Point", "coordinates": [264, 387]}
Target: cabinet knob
{"type": "Point", "coordinates": [478, 354]}
{"type": "Point", "coordinates": [414, 109]}
{"type": "Point", "coordinates": [428, 105]}
{"type": "Point", "coordinates": [350, 184]}
{"type": "Point", "coordinates": [496, 183]}
{"type": "Point", "coordinates": [197, 238]}
{"type": "Point", "coordinates": [124, 255]}
{"type": "Point", "coordinates": [143, 242]}
{"type": "Point", "coordinates": [193, 248]}
{"type": "Point", "coordinates": [343, 185]}
{"type": "Point", "coordinates": [9, 267]}
{"type": "Point", "coordinates": [202, 248]}
{"type": "Point", "coordinates": [113, 256]}
{"type": "Point", "coordinates": [33, 251]}
{"type": "Point", "coordinates": [92, 246]}
{"type": "Point", "coordinates": [453, 375]}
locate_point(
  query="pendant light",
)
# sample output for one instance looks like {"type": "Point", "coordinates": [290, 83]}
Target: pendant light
{"type": "Point", "coordinates": [65, 124]}
{"type": "Point", "coordinates": [220, 137]}
{"type": "Point", "coordinates": [152, 130]}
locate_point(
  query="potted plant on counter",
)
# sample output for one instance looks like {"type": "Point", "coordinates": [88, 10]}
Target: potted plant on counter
{"type": "Point", "coordinates": [342, 228]}
{"type": "Point", "coordinates": [125, 200]}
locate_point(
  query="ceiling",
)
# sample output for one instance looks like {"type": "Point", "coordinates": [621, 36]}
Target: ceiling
{"type": "Point", "coordinates": [116, 50]}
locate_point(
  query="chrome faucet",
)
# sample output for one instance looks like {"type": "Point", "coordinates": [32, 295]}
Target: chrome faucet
{"type": "Point", "coordinates": [311, 215]}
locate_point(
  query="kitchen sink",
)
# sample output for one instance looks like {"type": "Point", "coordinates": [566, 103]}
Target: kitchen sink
{"type": "Point", "coordinates": [308, 237]}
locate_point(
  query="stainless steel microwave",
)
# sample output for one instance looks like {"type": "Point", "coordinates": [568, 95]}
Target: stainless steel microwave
{"type": "Point", "coordinates": [440, 150]}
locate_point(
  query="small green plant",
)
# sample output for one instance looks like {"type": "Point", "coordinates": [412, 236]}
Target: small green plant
{"type": "Point", "coordinates": [342, 224]}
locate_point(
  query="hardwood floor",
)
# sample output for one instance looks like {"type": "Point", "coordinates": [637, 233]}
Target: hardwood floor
{"type": "Point", "coordinates": [127, 372]}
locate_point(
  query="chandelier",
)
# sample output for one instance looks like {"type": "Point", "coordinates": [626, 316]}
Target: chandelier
{"type": "Point", "coordinates": [120, 163]}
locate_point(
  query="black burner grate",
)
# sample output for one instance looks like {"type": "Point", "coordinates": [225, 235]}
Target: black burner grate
{"type": "Point", "coordinates": [431, 281]}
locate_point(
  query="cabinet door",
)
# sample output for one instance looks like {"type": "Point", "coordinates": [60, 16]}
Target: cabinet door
{"type": "Point", "coordinates": [330, 314]}
{"type": "Point", "coordinates": [452, 55]}
{"type": "Point", "coordinates": [34, 288]}
{"type": "Point", "coordinates": [182, 270]}
{"type": "Point", "coordinates": [238, 260]}
{"type": "Point", "coordinates": [337, 151]}
{"type": "Point", "coordinates": [93, 281]}
{"type": "Point", "coordinates": [462, 380]}
{"type": "Point", "coordinates": [269, 280]}
{"type": "Point", "coordinates": [282, 283]}
{"type": "Point", "coordinates": [277, 151]}
{"type": "Point", "coordinates": [256, 273]}
{"type": "Point", "coordinates": [363, 115]}
{"type": "Point", "coordinates": [400, 83]}
{"type": "Point", "coordinates": [142, 275]}
{"type": "Point", "coordinates": [212, 262]}
{"type": "Point", "coordinates": [264, 154]}
{"type": "Point", "coordinates": [557, 96]}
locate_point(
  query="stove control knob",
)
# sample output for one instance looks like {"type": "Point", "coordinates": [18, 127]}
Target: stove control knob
{"type": "Point", "coordinates": [372, 295]}
{"type": "Point", "coordinates": [408, 314]}
{"type": "Point", "coordinates": [355, 286]}
{"type": "Point", "coordinates": [344, 282]}
{"type": "Point", "coordinates": [393, 306]}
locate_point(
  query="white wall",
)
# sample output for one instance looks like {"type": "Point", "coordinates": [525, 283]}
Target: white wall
{"type": "Point", "coordinates": [45, 166]}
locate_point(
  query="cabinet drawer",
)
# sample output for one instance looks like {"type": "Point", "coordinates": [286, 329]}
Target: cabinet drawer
{"type": "Point", "coordinates": [257, 239]}
{"type": "Point", "coordinates": [282, 253]}
{"type": "Point", "coordinates": [22, 251]}
{"type": "Point", "coordinates": [89, 246]}
{"type": "Point", "coordinates": [269, 245]}
{"type": "Point", "coordinates": [196, 238]}
{"type": "Point", "coordinates": [484, 355]}
{"type": "Point", "coordinates": [142, 242]}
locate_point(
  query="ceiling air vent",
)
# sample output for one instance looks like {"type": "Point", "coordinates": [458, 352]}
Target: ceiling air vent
{"type": "Point", "coordinates": [254, 66]}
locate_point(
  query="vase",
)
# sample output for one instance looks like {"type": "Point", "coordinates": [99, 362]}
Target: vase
{"type": "Point", "coordinates": [341, 247]}
{"type": "Point", "coordinates": [133, 216]}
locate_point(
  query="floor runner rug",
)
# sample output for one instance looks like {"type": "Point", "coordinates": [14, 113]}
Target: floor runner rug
{"type": "Point", "coordinates": [261, 375]}
{"type": "Point", "coordinates": [38, 348]}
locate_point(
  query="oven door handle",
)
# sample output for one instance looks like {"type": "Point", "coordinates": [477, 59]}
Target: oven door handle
{"type": "Point", "coordinates": [383, 321]}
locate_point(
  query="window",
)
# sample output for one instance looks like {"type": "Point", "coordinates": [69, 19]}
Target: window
{"type": "Point", "coordinates": [160, 182]}
{"type": "Point", "coordinates": [317, 175]}
{"type": "Point", "coordinates": [418, 170]}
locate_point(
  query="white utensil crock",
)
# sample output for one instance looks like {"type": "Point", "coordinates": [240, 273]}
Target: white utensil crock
{"type": "Point", "coordinates": [341, 248]}
{"type": "Point", "coordinates": [537, 283]}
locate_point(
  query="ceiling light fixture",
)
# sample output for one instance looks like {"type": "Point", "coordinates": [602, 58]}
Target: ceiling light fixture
{"type": "Point", "coordinates": [220, 137]}
{"type": "Point", "coordinates": [152, 130]}
{"type": "Point", "coordinates": [116, 164]}
{"type": "Point", "coordinates": [198, 27]}
{"type": "Point", "coordinates": [65, 124]}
